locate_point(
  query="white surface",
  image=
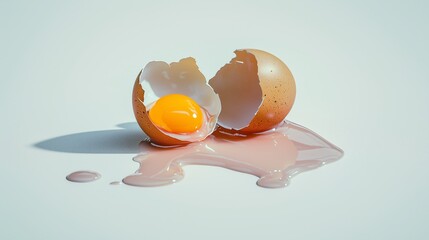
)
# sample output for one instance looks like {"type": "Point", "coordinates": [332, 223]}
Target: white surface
{"type": "Point", "coordinates": [361, 72]}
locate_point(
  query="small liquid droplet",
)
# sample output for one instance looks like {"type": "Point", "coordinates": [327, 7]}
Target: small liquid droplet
{"type": "Point", "coordinates": [83, 176]}
{"type": "Point", "coordinates": [116, 183]}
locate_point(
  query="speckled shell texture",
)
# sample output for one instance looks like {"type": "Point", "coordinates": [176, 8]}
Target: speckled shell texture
{"type": "Point", "coordinates": [278, 90]}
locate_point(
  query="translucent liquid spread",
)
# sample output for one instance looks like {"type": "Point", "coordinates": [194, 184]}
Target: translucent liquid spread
{"type": "Point", "coordinates": [83, 176]}
{"type": "Point", "coordinates": [274, 156]}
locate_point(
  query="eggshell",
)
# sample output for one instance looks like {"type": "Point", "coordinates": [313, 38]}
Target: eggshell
{"type": "Point", "coordinates": [257, 91]}
{"type": "Point", "coordinates": [144, 122]}
{"type": "Point", "coordinates": [158, 79]}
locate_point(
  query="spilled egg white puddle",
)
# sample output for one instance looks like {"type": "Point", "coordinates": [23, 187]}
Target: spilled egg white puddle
{"type": "Point", "coordinates": [274, 157]}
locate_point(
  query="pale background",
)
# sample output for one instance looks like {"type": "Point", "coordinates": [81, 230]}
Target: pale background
{"type": "Point", "coordinates": [68, 67]}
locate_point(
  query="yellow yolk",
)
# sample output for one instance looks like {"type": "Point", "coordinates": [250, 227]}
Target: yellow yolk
{"type": "Point", "coordinates": [176, 113]}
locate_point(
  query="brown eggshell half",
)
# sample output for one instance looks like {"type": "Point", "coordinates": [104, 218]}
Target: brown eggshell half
{"type": "Point", "coordinates": [255, 77]}
{"type": "Point", "coordinates": [144, 122]}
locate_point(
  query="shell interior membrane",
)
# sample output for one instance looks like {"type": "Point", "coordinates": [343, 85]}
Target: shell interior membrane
{"type": "Point", "coordinates": [160, 78]}
{"type": "Point", "coordinates": [237, 84]}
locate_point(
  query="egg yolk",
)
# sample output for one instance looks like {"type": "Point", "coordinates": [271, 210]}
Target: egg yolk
{"type": "Point", "coordinates": [176, 113]}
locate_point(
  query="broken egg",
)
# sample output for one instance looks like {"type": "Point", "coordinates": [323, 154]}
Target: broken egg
{"type": "Point", "coordinates": [173, 103]}
{"type": "Point", "coordinates": [256, 89]}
